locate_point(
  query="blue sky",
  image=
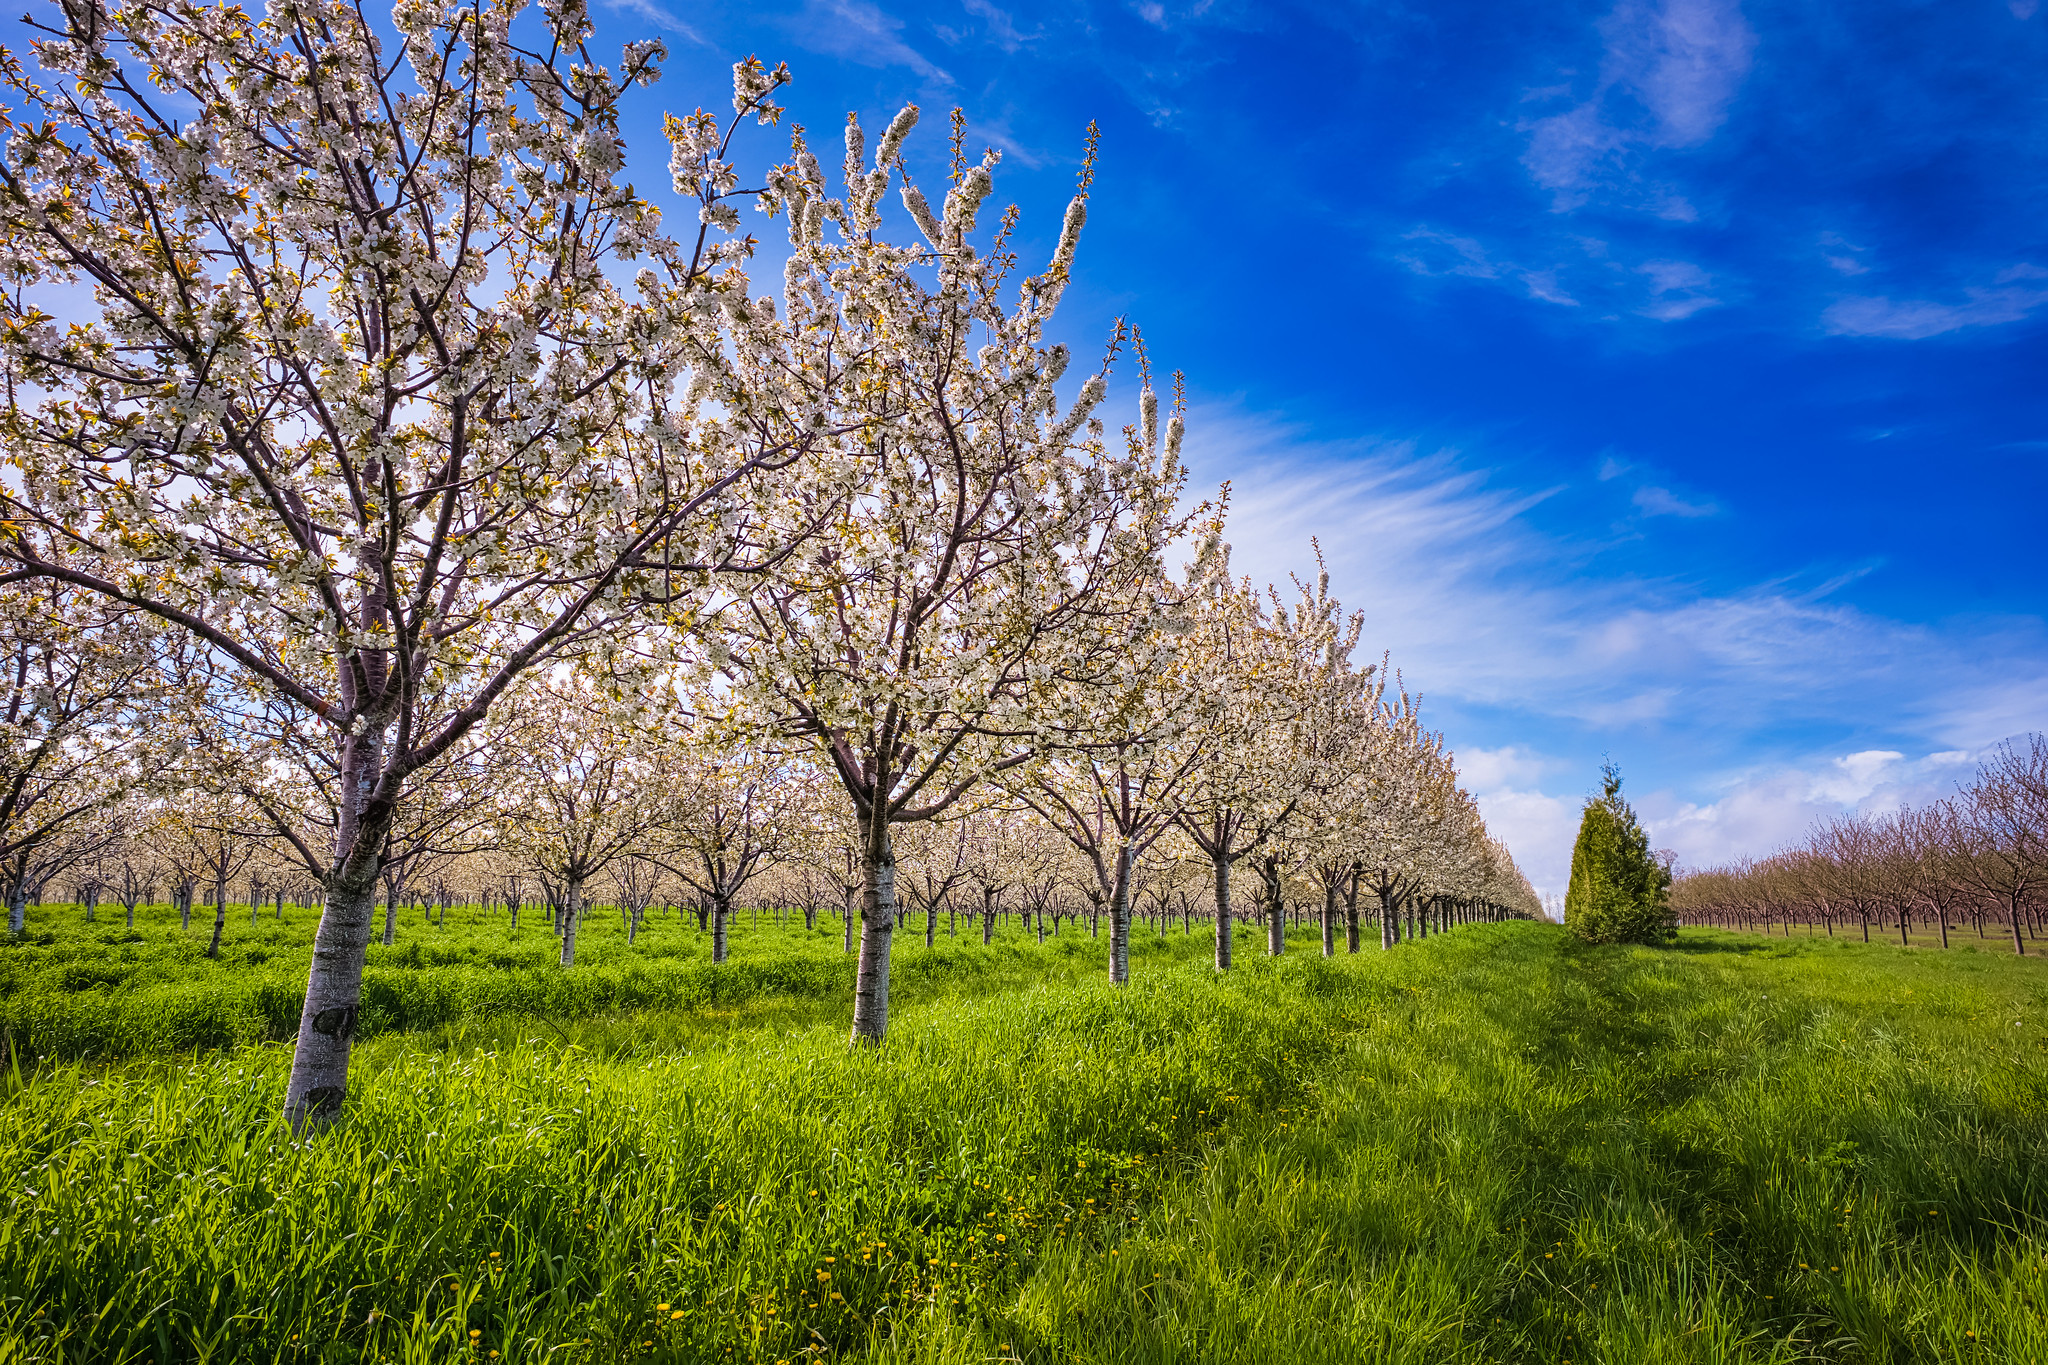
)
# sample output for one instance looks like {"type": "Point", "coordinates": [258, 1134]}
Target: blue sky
{"type": "Point", "coordinates": [1664, 378]}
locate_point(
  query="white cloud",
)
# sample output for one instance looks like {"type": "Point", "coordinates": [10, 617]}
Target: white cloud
{"type": "Point", "coordinates": [1485, 614]}
{"type": "Point", "coordinates": [1662, 502]}
{"type": "Point", "coordinates": [1678, 289]}
{"type": "Point", "coordinates": [1002, 28]}
{"type": "Point", "coordinates": [1669, 73]}
{"type": "Point", "coordinates": [654, 14]}
{"type": "Point", "coordinates": [1538, 830]}
{"type": "Point", "coordinates": [1492, 769]}
{"type": "Point", "coordinates": [860, 32]}
{"type": "Point", "coordinates": [2012, 297]}
{"type": "Point", "coordinates": [1666, 290]}
{"type": "Point", "coordinates": [1439, 253]}
{"type": "Point", "coordinates": [1842, 255]}
{"type": "Point", "coordinates": [1759, 813]}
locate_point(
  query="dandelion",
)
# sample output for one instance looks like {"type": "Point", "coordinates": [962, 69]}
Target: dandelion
{"type": "Point", "coordinates": [661, 1308]}
{"type": "Point", "coordinates": [672, 1317]}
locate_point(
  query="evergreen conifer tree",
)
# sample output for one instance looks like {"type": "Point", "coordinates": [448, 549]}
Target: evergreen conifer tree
{"type": "Point", "coordinates": [1620, 890]}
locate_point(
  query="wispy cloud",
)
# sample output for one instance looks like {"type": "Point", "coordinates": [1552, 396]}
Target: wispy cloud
{"type": "Point", "coordinates": [1584, 270]}
{"type": "Point", "coordinates": [1678, 289]}
{"type": "Point", "coordinates": [1002, 28]}
{"type": "Point", "coordinates": [1435, 253]}
{"type": "Point", "coordinates": [1653, 501]}
{"type": "Point", "coordinates": [655, 14]}
{"type": "Point", "coordinates": [1489, 615]}
{"type": "Point", "coordinates": [862, 33]}
{"type": "Point", "coordinates": [1669, 72]}
{"type": "Point", "coordinates": [2011, 297]}
{"type": "Point", "coordinates": [1842, 256]}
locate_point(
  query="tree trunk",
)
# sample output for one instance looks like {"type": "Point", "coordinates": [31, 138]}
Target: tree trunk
{"type": "Point", "coordinates": [327, 1023]}
{"type": "Point", "coordinates": [220, 916]}
{"type": "Point", "coordinates": [846, 925]}
{"type": "Point", "coordinates": [2017, 945]}
{"type": "Point", "coordinates": [931, 922]}
{"type": "Point", "coordinates": [17, 907]}
{"type": "Point", "coordinates": [1221, 868]}
{"type": "Point", "coordinates": [1390, 917]}
{"type": "Point", "coordinates": [1351, 912]}
{"type": "Point", "coordinates": [877, 924]}
{"type": "Point", "coordinates": [1330, 920]}
{"type": "Point", "coordinates": [988, 925]}
{"type": "Point", "coordinates": [185, 909]}
{"type": "Point", "coordinates": [1120, 919]}
{"type": "Point", "coordinates": [390, 918]}
{"type": "Point", "coordinates": [721, 915]}
{"type": "Point", "coordinates": [572, 896]}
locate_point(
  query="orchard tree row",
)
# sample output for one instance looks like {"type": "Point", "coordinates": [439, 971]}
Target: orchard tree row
{"type": "Point", "coordinates": [384, 473]}
{"type": "Point", "coordinates": [1975, 860]}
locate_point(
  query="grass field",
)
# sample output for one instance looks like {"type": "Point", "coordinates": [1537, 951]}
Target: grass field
{"type": "Point", "coordinates": [1495, 1145]}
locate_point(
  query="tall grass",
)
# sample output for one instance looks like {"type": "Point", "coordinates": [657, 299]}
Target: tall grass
{"type": "Point", "coordinates": [1491, 1146]}
{"type": "Point", "coordinates": [71, 990]}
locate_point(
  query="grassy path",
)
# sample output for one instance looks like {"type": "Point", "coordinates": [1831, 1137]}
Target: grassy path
{"type": "Point", "coordinates": [1493, 1146]}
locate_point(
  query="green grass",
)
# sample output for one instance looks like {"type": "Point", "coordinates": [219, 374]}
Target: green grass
{"type": "Point", "coordinates": [1496, 1145]}
{"type": "Point", "coordinates": [72, 990]}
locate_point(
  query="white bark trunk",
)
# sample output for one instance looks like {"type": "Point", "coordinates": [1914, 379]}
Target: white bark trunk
{"type": "Point", "coordinates": [1120, 919]}
{"type": "Point", "coordinates": [1221, 868]}
{"type": "Point", "coordinates": [877, 925]}
{"type": "Point", "coordinates": [334, 992]}
{"type": "Point", "coordinates": [571, 895]}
